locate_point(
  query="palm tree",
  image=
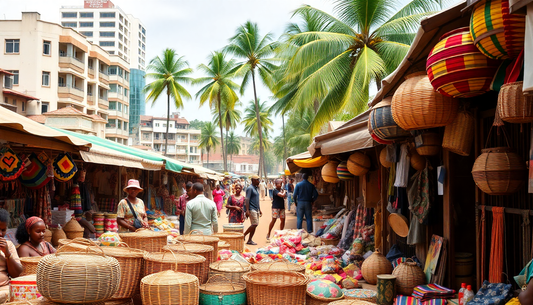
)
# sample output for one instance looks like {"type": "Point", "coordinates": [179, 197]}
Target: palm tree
{"type": "Point", "coordinates": [233, 145]}
{"type": "Point", "coordinates": [219, 89]}
{"type": "Point", "coordinates": [255, 51]}
{"type": "Point", "coordinates": [208, 138]}
{"type": "Point", "coordinates": [250, 119]}
{"type": "Point", "coordinates": [169, 72]}
{"type": "Point", "coordinates": [335, 59]}
{"type": "Point", "coordinates": [230, 118]}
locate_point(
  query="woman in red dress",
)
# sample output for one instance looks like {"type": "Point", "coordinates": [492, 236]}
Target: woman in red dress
{"type": "Point", "coordinates": [236, 206]}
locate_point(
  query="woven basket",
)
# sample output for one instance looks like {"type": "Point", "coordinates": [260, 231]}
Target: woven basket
{"type": "Point", "coordinates": [416, 105]}
{"type": "Point", "coordinates": [222, 245]}
{"type": "Point", "coordinates": [178, 261]}
{"type": "Point", "coordinates": [456, 68]}
{"type": "Point", "coordinates": [170, 287]}
{"type": "Point", "coordinates": [146, 240]}
{"type": "Point", "coordinates": [29, 264]}
{"type": "Point", "coordinates": [383, 158]}
{"type": "Point", "coordinates": [73, 229]}
{"type": "Point", "coordinates": [359, 164]}
{"type": "Point", "coordinates": [428, 144]}
{"type": "Point", "coordinates": [78, 277]}
{"type": "Point", "coordinates": [199, 249]}
{"type": "Point", "coordinates": [57, 234]}
{"type": "Point", "coordinates": [329, 241]}
{"type": "Point", "coordinates": [75, 245]}
{"type": "Point", "coordinates": [496, 33]}
{"type": "Point", "coordinates": [275, 287]}
{"type": "Point", "coordinates": [329, 172]}
{"type": "Point", "coordinates": [233, 227]}
{"type": "Point", "coordinates": [192, 238]}
{"type": "Point", "coordinates": [236, 240]}
{"type": "Point", "coordinates": [220, 290]}
{"type": "Point", "coordinates": [381, 123]}
{"type": "Point", "coordinates": [231, 269]}
{"type": "Point", "coordinates": [513, 105]}
{"type": "Point", "coordinates": [316, 300]}
{"type": "Point", "coordinates": [120, 302]}
{"type": "Point", "coordinates": [418, 162]}
{"type": "Point", "coordinates": [376, 264]}
{"type": "Point", "coordinates": [43, 301]}
{"type": "Point", "coordinates": [351, 302]}
{"type": "Point", "coordinates": [343, 173]}
{"type": "Point", "coordinates": [459, 135]}
{"type": "Point", "coordinates": [131, 265]}
{"type": "Point", "coordinates": [278, 266]}
{"type": "Point", "coordinates": [408, 276]}
{"type": "Point", "coordinates": [48, 236]}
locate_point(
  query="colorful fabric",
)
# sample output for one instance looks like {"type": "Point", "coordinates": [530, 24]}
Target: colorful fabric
{"type": "Point", "coordinates": [492, 294]}
{"type": "Point", "coordinates": [456, 68]}
{"type": "Point", "coordinates": [507, 31]}
{"type": "Point", "coordinates": [342, 171]}
{"type": "Point", "coordinates": [11, 166]}
{"type": "Point", "coordinates": [31, 221]}
{"type": "Point", "coordinates": [432, 291]}
{"type": "Point", "coordinates": [234, 215]}
{"type": "Point", "coordinates": [360, 293]}
{"type": "Point", "coordinates": [34, 177]}
{"type": "Point", "coordinates": [405, 300]}
{"type": "Point", "coordinates": [359, 220]}
{"type": "Point", "coordinates": [124, 212]}
{"type": "Point", "coordinates": [64, 167]}
{"type": "Point", "coordinates": [324, 289]}
{"type": "Point", "coordinates": [525, 275]}
{"type": "Point", "coordinates": [75, 199]}
{"type": "Point", "coordinates": [419, 195]}
{"type": "Point", "coordinates": [278, 213]}
{"type": "Point", "coordinates": [510, 70]}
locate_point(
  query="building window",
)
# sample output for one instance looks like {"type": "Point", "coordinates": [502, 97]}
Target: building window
{"type": "Point", "coordinates": [119, 124]}
{"type": "Point", "coordinates": [107, 15]}
{"type": "Point", "coordinates": [107, 24]}
{"type": "Point", "coordinates": [112, 70]}
{"type": "Point", "coordinates": [14, 102]}
{"type": "Point", "coordinates": [250, 168]}
{"type": "Point", "coordinates": [15, 76]}
{"type": "Point", "coordinates": [107, 43]}
{"type": "Point", "coordinates": [47, 47]}
{"type": "Point", "coordinates": [112, 105]}
{"type": "Point", "coordinates": [69, 24]}
{"type": "Point", "coordinates": [125, 125]}
{"type": "Point", "coordinates": [125, 109]}
{"type": "Point", "coordinates": [107, 34]}
{"type": "Point", "coordinates": [69, 15]}
{"type": "Point", "coordinates": [12, 46]}
{"type": "Point", "coordinates": [23, 106]}
{"type": "Point", "coordinates": [44, 107]}
{"type": "Point", "coordinates": [144, 31]}
{"type": "Point", "coordinates": [46, 79]}
{"type": "Point", "coordinates": [111, 52]}
{"type": "Point", "coordinates": [112, 87]}
{"type": "Point", "coordinates": [156, 124]}
{"type": "Point", "coordinates": [111, 123]}
{"type": "Point", "coordinates": [86, 24]}
{"type": "Point", "coordinates": [119, 107]}
{"type": "Point", "coordinates": [87, 34]}
{"type": "Point", "coordinates": [86, 15]}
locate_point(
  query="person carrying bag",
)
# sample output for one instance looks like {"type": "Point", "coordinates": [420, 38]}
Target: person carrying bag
{"type": "Point", "coordinates": [128, 218]}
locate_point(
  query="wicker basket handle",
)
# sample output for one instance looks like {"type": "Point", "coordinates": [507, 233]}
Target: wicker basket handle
{"type": "Point", "coordinates": [175, 242]}
{"type": "Point", "coordinates": [122, 244]}
{"type": "Point", "coordinates": [171, 252]}
{"type": "Point", "coordinates": [279, 262]}
{"type": "Point", "coordinates": [89, 243]}
{"type": "Point", "coordinates": [504, 135]}
{"type": "Point", "coordinates": [232, 286]}
{"type": "Point", "coordinates": [197, 231]}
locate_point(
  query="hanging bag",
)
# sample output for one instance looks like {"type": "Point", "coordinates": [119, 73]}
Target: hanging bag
{"type": "Point", "coordinates": [136, 222]}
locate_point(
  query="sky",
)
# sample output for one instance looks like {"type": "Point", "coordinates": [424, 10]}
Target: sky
{"type": "Point", "coordinates": [194, 28]}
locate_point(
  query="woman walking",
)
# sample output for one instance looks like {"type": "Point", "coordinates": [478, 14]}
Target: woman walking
{"type": "Point", "coordinates": [236, 206]}
{"type": "Point", "coordinates": [218, 198]}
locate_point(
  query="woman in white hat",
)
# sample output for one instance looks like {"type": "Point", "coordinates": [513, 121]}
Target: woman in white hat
{"type": "Point", "coordinates": [131, 220]}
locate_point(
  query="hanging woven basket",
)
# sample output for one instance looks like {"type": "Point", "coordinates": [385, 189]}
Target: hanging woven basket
{"type": "Point", "coordinates": [513, 105]}
{"type": "Point", "coordinates": [383, 158]}
{"type": "Point", "coordinates": [418, 162]}
{"type": "Point", "coordinates": [329, 172]}
{"type": "Point", "coordinates": [359, 164]}
{"type": "Point", "coordinates": [459, 135]}
{"type": "Point", "coordinates": [342, 171]}
{"type": "Point", "coordinates": [381, 123]}
{"type": "Point", "coordinates": [456, 68]}
{"type": "Point", "coordinates": [416, 105]}
{"type": "Point", "coordinates": [496, 33]}
{"type": "Point", "coordinates": [374, 265]}
{"type": "Point", "coordinates": [428, 144]}
{"type": "Point", "coordinates": [408, 276]}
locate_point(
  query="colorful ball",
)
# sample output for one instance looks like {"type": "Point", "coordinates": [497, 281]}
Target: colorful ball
{"type": "Point", "coordinates": [342, 171]}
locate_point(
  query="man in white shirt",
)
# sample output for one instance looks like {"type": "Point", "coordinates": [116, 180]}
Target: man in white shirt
{"type": "Point", "coordinates": [262, 189]}
{"type": "Point", "coordinates": [201, 212]}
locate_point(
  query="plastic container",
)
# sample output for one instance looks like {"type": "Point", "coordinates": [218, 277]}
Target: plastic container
{"type": "Point", "coordinates": [468, 295]}
{"type": "Point", "coordinates": [461, 293]}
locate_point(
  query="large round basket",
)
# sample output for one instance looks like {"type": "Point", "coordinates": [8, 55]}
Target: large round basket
{"type": "Point", "coordinates": [131, 264]}
{"type": "Point", "coordinates": [29, 264]}
{"type": "Point", "coordinates": [428, 144]}
{"type": "Point", "coordinates": [359, 164]}
{"type": "Point", "coordinates": [222, 245]}
{"type": "Point", "coordinates": [120, 302]}
{"type": "Point", "coordinates": [275, 287]}
{"type": "Point", "coordinates": [513, 105]}
{"type": "Point", "coordinates": [73, 229]}
{"type": "Point", "coordinates": [329, 172]}
{"type": "Point", "coordinates": [78, 277]}
{"type": "Point", "coordinates": [416, 105]}
{"type": "Point", "coordinates": [236, 240]}
{"type": "Point", "coordinates": [155, 262]}
{"type": "Point", "coordinates": [459, 135]}
{"type": "Point", "coordinates": [233, 227]}
{"type": "Point", "coordinates": [199, 249]}
{"type": "Point", "coordinates": [220, 290]}
{"type": "Point", "coordinates": [376, 264]}
{"type": "Point", "coordinates": [381, 123]}
{"type": "Point", "coordinates": [170, 287]}
{"type": "Point", "coordinates": [496, 33]}
{"type": "Point", "coordinates": [408, 276]}
{"type": "Point", "coordinates": [499, 171]}
{"type": "Point", "coordinates": [361, 295]}
{"type": "Point", "coordinates": [456, 68]}
{"type": "Point", "coordinates": [330, 241]}
{"type": "Point", "coordinates": [418, 162]}
{"type": "Point", "coordinates": [316, 300]}
{"type": "Point", "coordinates": [343, 173]}
{"type": "Point", "coordinates": [231, 269]}
{"type": "Point", "coordinates": [383, 158]}
{"type": "Point", "coordinates": [192, 238]}
{"type": "Point", "coordinates": [278, 266]}
{"type": "Point", "coordinates": [146, 240]}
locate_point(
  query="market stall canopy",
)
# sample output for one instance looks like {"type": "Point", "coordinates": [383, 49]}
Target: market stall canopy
{"type": "Point", "coordinates": [515, 5]}
{"type": "Point", "coordinates": [429, 33]}
{"type": "Point", "coordinates": [19, 129]}
{"type": "Point", "coordinates": [204, 173]}
{"type": "Point", "coordinates": [304, 160]}
{"type": "Point", "coordinates": [353, 135]}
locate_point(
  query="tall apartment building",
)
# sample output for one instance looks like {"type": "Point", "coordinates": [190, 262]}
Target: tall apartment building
{"type": "Point", "coordinates": [182, 141]}
{"type": "Point", "coordinates": [118, 33]}
{"type": "Point", "coordinates": [63, 69]}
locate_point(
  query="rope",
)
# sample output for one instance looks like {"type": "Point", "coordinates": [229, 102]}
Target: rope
{"type": "Point", "coordinates": [496, 249]}
{"type": "Point", "coordinates": [483, 242]}
{"type": "Point", "coordinates": [526, 237]}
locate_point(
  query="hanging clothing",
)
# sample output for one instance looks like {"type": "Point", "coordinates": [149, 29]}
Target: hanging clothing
{"type": "Point", "coordinates": [419, 195]}
{"type": "Point", "coordinates": [402, 168]}
{"type": "Point", "coordinates": [496, 246]}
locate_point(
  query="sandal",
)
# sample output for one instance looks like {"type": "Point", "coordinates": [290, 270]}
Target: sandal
{"type": "Point", "coordinates": [251, 243]}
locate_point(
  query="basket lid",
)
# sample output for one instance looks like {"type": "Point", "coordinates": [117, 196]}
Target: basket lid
{"type": "Point", "coordinates": [230, 266]}
{"type": "Point", "coordinates": [169, 278]}
{"type": "Point", "coordinates": [143, 233]}
{"type": "Point", "coordinates": [174, 257]}
{"type": "Point", "coordinates": [278, 266]}
{"type": "Point", "coordinates": [198, 238]}
{"type": "Point", "coordinates": [194, 248]}
{"type": "Point", "coordinates": [398, 224]}
{"type": "Point", "coordinates": [73, 226]}
{"type": "Point", "coordinates": [123, 251]}
{"type": "Point", "coordinates": [276, 278]}
{"type": "Point", "coordinates": [221, 284]}
{"type": "Point", "coordinates": [386, 277]}
{"type": "Point", "coordinates": [228, 235]}
{"type": "Point", "coordinates": [30, 259]}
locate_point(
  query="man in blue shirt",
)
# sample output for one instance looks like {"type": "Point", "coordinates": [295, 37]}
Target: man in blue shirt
{"type": "Point", "coordinates": [304, 195]}
{"type": "Point", "coordinates": [253, 208]}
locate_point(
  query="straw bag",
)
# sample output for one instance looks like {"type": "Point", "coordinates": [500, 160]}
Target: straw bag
{"type": "Point", "coordinates": [513, 105]}
{"type": "Point", "coordinates": [459, 135]}
{"type": "Point", "coordinates": [278, 266]}
{"type": "Point", "coordinates": [131, 264]}
{"type": "Point", "coordinates": [178, 261]}
{"type": "Point", "coordinates": [428, 144]}
{"type": "Point", "coordinates": [275, 287]}
{"type": "Point", "coordinates": [236, 240]}
{"type": "Point", "coordinates": [408, 276]}
{"type": "Point", "coordinates": [191, 238]}
{"type": "Point", "coordinates": [78, 277]}
{"type": "Point", "coordinates": [329, 172]}
{"type": "Point", "coordinates": [146, 240]}
{"type": "Point", "coordinates": [73, 229]}
{"type": "Point", "coordinates": [170, 287]}
{"type": "Point", "coordinates": [376, 264]}
{"type": "Point", "coordinates": [231, 269]}
{"type": "Point", "coordinates": [222, 291]}
{"type": "Point", "coordinates": [199, 249]}
{"type": "Point", "coordinates": [29, 264]}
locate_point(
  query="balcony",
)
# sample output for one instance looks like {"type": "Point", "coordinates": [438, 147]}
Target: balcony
{"type": "Point", "coordinates": [103, 102]}
{"type": "Point", "coordinates": [70, 62]}
{"type": "Point", "coordinates": [91, 72]}
{"type": "Point", "coordinates": [70, 92]}
{"type": "Point", "coordinates": [103, 77]}
{"type": "Point", "coordinates": [90, 99]}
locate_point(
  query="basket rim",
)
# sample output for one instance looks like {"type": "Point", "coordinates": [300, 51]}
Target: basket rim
{"type": "Point", "coordinates": [208, 238]}
{"type": "Point", "coordinates": [175, 280]}
{"type": "Point", "coordinates": [248, 278]}
{"type": "Point", "coordinates": [143, 234]}
{"type": "Point", "coordinates": [228, 235]}
{"type": "Point", "coordinates": [265, 266]}
{"type": "Point", "coordinates": [201, 248]}
{"type": "Point", "coordinates": [172, 259]}
{"type": "Point", "coordinates": [323, 298]}
{"type": "Point", "coordinates": [126, 252]}
{"type": "Point", "coordinates": [245, 268]}
{"type": "Point", "coordinates": [241, 288]}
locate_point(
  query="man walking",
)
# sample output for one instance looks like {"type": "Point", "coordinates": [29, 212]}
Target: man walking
{"type": "Point", "coordinates": [262, 187]}
{"type": "Point", "coordinates": [201, 213]}
{"type": "Point", "coordinates": [304, 195]}
{"type": "Point", "coordinates": [253, 208]}
{"type": "Point", "coordinates": [278, 207]}
{"type": "Point", "coordinates": [181, 205]}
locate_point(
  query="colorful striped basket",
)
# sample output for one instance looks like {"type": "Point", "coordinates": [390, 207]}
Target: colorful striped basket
{"type": "Point", "coordinates": [496, 33]}
{"type": "Point", "coordinates": [381, 123]}
{"type": "Point", "coordinates": [342, 171]}
{"type": "Point", "coordinates": [456, 68]}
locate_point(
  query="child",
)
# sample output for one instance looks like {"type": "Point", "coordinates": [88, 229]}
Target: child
{"type": "Point", "coordinates": [278, 207]}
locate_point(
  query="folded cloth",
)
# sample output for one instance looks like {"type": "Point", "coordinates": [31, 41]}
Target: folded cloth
{"type": "Point", "coordinates": [405, 300]}
{"type": "Point", "coordinates": [432, 291]}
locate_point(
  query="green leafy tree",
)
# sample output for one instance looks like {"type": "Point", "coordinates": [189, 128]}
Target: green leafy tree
{"type": "Point", "coordinates": [251, 116]}
{"type": "Point", "coordinates": [231, 117]}
{"type": "Point", "coordinates": [233, 144]}
{"type": "Point", "coordinates": [196, 124]}
{"type": "Point", "coordinates": [256, 51]}
{"type": "Point", "coordinates": [168, 72]}
{"type": "Point", "coordinates": [208, 138]}
{"type": "Point", "coordinates": [218, 89]}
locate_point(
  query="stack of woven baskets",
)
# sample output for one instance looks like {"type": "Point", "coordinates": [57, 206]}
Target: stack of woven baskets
{"type": "Point", "coordinates": [191, 238]}
{"type": "Point", "coordinates": [146, 240]}
{"type": "Point", "coordinates": [235, 239]}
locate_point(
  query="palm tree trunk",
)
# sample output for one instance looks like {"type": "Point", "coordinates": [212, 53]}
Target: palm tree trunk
{"type": "Point", "coordinates": [207, 159]}
{"type": "Point", "coordinates": [168, 122]}
{"type": "Point", "coordinates": [227, 147]}
{"type": "Point", "coordinates": [219, 102]}
{"type": "Point", "coordinates": [259, 130]}
{"type": "Point", "coordinates": [284, 140]}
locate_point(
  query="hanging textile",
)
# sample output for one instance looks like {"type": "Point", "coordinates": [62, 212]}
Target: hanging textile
{"type": "Point", "coordinates": [530, 176]}
{"type": "Point", "coordinates": [359, 220]}
{"type": "Point", "coordinates": [418, 194]}
{"type": "Point", "coordinates": [64, 167]}
{"type": "Point", "coordinates": [496, 245]}
{"type": "Point", "coordinates": [377, 230]}
{"type": "Point", "coordinates": [35, 175]}
{"type": "Point", "coordinates": [402, 168]}
{"type": "Point", "coordinates": [11, 166]}
{"type": "Point", "coordinates": [75, 201]}
{"type": "Point", "coordinates": [391, 190]}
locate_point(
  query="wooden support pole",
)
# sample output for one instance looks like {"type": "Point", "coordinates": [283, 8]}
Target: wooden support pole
{"type": "Point", "coordinates": [447, 215]}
